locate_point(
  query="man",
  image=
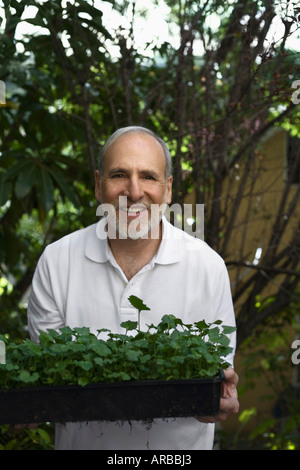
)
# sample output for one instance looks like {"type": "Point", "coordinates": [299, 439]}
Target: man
{"type": "Point", "coordinates": [85, 279]}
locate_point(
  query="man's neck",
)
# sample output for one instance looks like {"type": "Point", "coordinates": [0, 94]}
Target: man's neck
{"type": "Point", "coordinates": [133, 255]}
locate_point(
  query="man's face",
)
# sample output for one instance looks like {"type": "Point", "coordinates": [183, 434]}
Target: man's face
{"type": "Point", "coordinates": [133, 181]}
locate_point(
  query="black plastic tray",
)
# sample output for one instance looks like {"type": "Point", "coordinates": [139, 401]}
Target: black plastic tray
{"type": "Point", "coordinates": [138, 400]}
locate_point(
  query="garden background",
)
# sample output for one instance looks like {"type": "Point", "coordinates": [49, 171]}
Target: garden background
{"type": "Point", "coordinates": [220, 83]}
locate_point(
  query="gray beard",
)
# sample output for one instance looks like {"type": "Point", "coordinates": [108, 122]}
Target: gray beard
{"type": "Point", "coordinates": [140, 228]}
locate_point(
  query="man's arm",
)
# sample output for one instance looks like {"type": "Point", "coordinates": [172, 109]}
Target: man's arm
{"type": "Point", "coordinates": [44, 308]}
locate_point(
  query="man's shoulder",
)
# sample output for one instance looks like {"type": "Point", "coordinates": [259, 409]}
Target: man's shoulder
{"type": "Point", "coordinates": [70, 239]}
{"type": "Point", "coordinates": [192, 244]}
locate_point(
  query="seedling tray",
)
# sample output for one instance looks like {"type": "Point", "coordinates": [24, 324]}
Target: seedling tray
{"type": "Point", "coordinates": [138, 400]}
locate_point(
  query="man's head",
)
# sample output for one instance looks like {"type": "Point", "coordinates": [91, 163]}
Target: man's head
{"type": "Point", "coordinates": [134, 178]}
{"type": "Point", "coordinates": [134, 130]}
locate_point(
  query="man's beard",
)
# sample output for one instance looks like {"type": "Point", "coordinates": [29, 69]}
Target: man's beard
{"type": "Point", "coordinates": [145, 224]}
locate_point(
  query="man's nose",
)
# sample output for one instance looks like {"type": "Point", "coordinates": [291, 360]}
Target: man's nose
{"type": "Point", "coordinates": [134, 189]}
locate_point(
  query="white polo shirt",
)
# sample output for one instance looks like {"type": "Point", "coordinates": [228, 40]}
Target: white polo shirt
{"type": "Point", "coordinates": [78, 283]}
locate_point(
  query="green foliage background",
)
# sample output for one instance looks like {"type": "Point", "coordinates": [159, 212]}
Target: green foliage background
{"type": "Point", "coordinates": [66, 93]}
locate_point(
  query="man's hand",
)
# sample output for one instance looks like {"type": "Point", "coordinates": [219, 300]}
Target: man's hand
{"type": "Point", "coordinates": [229, 398]}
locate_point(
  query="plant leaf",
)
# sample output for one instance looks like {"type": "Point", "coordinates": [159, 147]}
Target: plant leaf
{"type": "Point", "coordinates": [45, 190]}
{"type": "Point", "coordinates": [129, 325]}
{"type": "Point", "coordinates": [26, 180]}
{"type": "Point", "coordinates": [65, 186]}
{"type": "Point", "coordinates": [137, 303]}
{"type": "Point", "coordinates": [26, 377]}
{"type": "Point", "coordinates": [5, 189]}
{"type": "Point", "coordinates": [228, 329]}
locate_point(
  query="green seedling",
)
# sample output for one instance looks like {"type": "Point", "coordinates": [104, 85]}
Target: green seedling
{"type": "Point", "coordinates": [139, 305]}
{"type": "Point", "coordinates": [166, 351]}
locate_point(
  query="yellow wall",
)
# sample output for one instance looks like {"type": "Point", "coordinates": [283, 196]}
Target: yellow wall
{"type": "Point", "coordinates": [255, 217]}
{"type": "Point", "coordinates": [266, 183]}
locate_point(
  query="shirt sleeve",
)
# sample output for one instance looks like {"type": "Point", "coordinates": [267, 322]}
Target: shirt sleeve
{"type": "Point", "coordinates": [223, 308]}
{"type": "Point", "coordinates": [43, 311]}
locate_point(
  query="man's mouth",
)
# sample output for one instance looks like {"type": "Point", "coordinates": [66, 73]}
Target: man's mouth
{"type": "Point", "coordinates": [134, 210]}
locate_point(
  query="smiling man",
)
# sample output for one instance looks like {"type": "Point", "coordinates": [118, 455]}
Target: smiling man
{"type": "Point", "coordinates": [86, 279]}
{"type": "Point", "coordinates": [134, 180]}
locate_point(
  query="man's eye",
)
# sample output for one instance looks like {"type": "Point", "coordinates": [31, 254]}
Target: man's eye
{"type": "Point", "coordinates": [117, 175]}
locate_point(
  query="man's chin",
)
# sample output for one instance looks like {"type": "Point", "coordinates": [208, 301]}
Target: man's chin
{"type": "Point", "coordinates": [133, 231]}
{"type": "Point", "coordinates": [136, 233]}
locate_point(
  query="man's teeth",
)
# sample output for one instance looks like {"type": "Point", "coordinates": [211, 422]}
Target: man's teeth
{"type": "Point", "coordinates": [134, 210]}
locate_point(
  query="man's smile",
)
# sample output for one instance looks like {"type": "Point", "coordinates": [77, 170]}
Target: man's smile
{"type": "Point", "coordinates": [134, 210]}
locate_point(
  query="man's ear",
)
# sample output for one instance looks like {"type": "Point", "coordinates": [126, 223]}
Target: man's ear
{"type": "Point", "coordinates": [169, 189]}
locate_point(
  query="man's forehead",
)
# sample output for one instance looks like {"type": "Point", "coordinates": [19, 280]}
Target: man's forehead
{"type": "Point", "coordinates": [136, 138]}
{"type": "Point", "coordinates": [143, 146]}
